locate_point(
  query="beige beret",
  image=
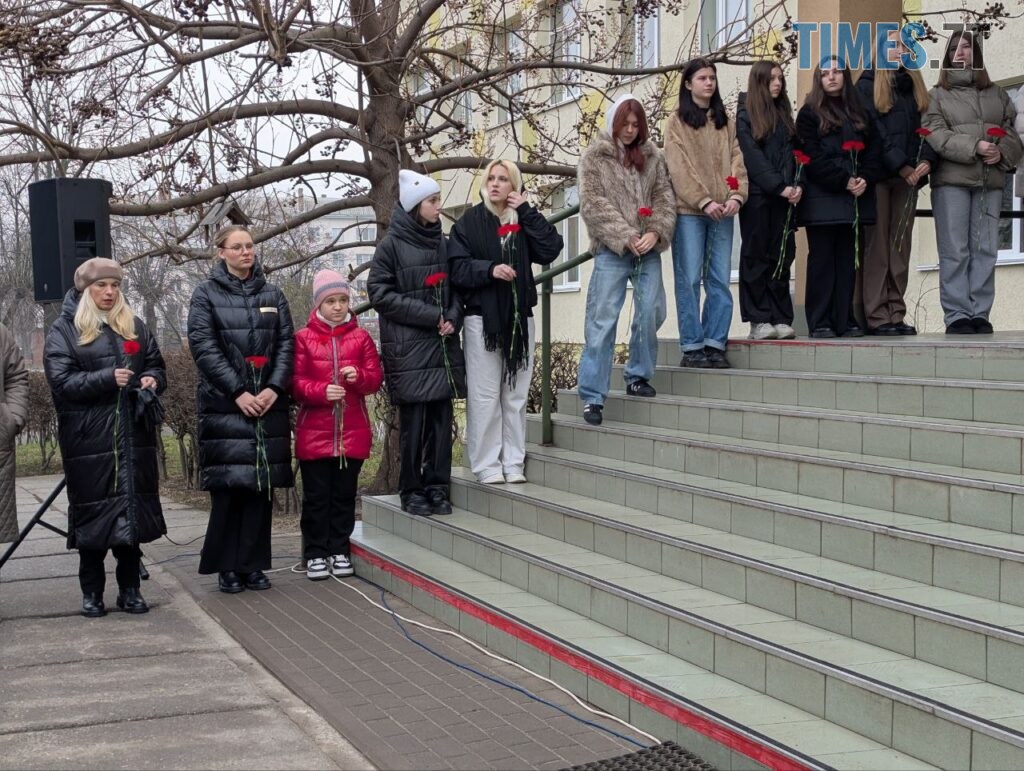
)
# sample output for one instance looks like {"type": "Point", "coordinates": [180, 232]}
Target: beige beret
{"type": "Point", "coordinates": [91, 271]}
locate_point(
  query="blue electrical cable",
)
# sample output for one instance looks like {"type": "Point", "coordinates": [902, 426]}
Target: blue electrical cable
{"type": "Point", "coordinates": [499, 680]}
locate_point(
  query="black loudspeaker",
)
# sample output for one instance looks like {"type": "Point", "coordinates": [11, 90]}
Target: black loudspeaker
{"type": "Point", "coordinates": [70, 222]}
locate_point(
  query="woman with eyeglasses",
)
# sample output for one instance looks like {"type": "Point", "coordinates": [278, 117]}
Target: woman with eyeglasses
{"type": "Point", "coordinates": [241, 336]}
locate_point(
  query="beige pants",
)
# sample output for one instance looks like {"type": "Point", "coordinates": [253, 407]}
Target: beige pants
{"type": "Point", "coordinates": [885, 267]}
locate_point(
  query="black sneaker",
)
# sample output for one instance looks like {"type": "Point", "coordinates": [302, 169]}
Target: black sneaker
{"type": "Point", "coordinates": [982, 326]}
{"type": "Point", "coordinates": [695, 359]}
{"type": "Point", "coordinates": [823, 333]}
{"type": "Point", "coordinates": [416, 503]}
{"type": "Point", "coordinates": [716, 358]}
{"type": "Point", "coordinates": [640, 388]}
{"type": "Point", "coordinates": [437, 497]}
{"type": "Point", "coordinates": [853, 331]}
{"type": "Point", "coordinates": [905, 329]}
{"type": "Point", "coordinates": [960, 327]}
{"type": "Point", "coordinates": [592, 413]}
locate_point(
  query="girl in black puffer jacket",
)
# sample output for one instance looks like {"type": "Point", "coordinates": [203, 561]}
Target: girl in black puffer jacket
{"type": "Point", "coordinates": [767, 137]}
{"type": "Point", "coordinates": [895, 99]}
{"type": "Point", "coordinates": [834, 197]}
{"type": "Point", "coordinates": [98, 357]}
{"type": "Point", "coordinates": [416, 336]}
{"type": "Point", "coordinates": [241, 336]}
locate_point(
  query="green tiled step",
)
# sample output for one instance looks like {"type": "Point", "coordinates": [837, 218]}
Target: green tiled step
{"type": "Point", "coordinates": [947, 555]}
{"type": "Point", "coordinates": [967, 634]}
{"type": "Point", "coordinates": [1000, 358]}
{"type": "Point", "coordinates": [768, 720]}
{"type": "Point", "coordinates": [985, 499]}
{"type": "Point", "coordinates": [979, 400]}
{"type": "Point", "coordinates": [934, 714]}
{"type": "Point", "coordinates": [988, 447]}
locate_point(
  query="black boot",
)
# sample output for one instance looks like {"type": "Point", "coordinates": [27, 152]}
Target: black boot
{"type": "Point", "coordinates": [130, 601]}
{"type": "Point", "coordinates": [92, 605]}
{"type": "Point", "coordinates": [257, 580]}
{"type": "Point", "coordinates": [229, 582]}
{"type": "Point", "coordinates": [437, 497]}
{"type": "Point", "coordinates": [416, 503]}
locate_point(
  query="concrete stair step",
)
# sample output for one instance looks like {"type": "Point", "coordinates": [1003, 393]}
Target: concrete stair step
{"type": "Point", "coordinates": [928, 397]}
{"type": "Point", "coordinates": [988, 447]}
{"type": "Point", "coordinates": [935, 715]}
{"type": "Point", "coordinates": [668, 696]}
{"type": "Point", "coordinates": [986, 499]}
{"type": "Point", "coordinates": [967, 634]}
{"type": "Point", "coordinates": [998, 357]}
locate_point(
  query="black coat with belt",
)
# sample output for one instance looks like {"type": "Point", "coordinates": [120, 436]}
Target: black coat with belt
{"type": "Point", "coordinates": [230, 320]}
{"type": "Point", "coordinates": [826, 201]}
{"type": "Point", "coordinates": [113, 483]}
{"type": "Point", "coordinates": [410, 346]}
{"type": "Point", "coordinates": [897, 129]}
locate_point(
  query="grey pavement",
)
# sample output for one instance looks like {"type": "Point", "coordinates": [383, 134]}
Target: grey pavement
{"type": "Point", "coordinates": [269, 679]}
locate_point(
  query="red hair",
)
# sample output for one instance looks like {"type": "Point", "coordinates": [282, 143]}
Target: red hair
{"type": "Point", "coordinates": [634, 156]}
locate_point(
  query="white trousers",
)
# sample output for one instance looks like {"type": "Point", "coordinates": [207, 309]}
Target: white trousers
{"type": "Point", "coordinates": [495, 413]}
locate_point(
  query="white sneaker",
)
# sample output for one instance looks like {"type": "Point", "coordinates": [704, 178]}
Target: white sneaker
{"type": "Point", "coordinates": [515, 479]}
{"type": "Point", "coordinates": [494, 479]}
{"type": "Point", "coordinates": [785, 332]}
{"type": "Point", "coordinates": [341, 566]}
{"type": "Point", "coordinates": [316, 569]}
{"type": "Point", "coordinates": [762, 332]}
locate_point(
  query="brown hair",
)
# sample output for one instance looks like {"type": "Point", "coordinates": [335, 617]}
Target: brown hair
{"type": "Point", "coordinates": [634, 156]}
{"type": "Point", "coordinates": [884, 82]}
{"type": "Point", "coordinates": [981, 78]}
{"type": "Point", "coordinates": [221, 236]}
{"type": "Point", "coordinates": [830, 115]}
{"type": "Point", "coordinates": [766, 113]}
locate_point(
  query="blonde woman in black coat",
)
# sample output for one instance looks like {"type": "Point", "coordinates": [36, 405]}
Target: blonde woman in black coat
{"type": "Point", "coordinates": [98, 358]}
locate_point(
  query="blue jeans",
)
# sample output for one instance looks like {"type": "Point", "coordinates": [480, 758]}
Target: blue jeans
{"type": "Point", "coordinates": [605, 295]}
{"type": "Point", "coordinates": [699, 240]}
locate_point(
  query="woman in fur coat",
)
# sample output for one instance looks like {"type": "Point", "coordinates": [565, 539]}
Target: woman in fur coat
{"type": "Point", "coordinates": [627, 202]}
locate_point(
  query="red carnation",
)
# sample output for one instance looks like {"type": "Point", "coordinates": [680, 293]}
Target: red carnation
{"type": "Point", "coordinates": [259, 362]}
{"type": "Point", "coordinates": [131, 347]}
{"type": "Point", "coordinates": [922, 132]}
{"type": "Point", "coordinates": [506, 230]}
{"type": "Point", "coordinates": [435, 279]}
{"type": "Point", "coordinates": [643, 211]}
{"type": "Point", "coordinates": [996, 132]}
{"type": "Point", "coordinates": [733, 183]}
{"type": "Point", "coordinates": [801, 157]}
{"type": "Point", "coordinates": [853, 145]}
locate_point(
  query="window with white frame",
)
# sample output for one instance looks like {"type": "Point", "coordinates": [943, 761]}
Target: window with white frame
{"type": "Point", "coordinates": [565, 36]}
{"type": "Point", "coordinates": [570, 231]}
{"type": "Point", "coordinates": [367, 233]}
{"type": "Point", "coordinates": [645, 40]}
{"type": "Point", "coordinates": [420, 86]}
{"type": "Point", "coordinates": [515, 50]}
{"type": "Point", "coordinates": [463, 110]}
{"type": "Point", "coordinates": [723, 21]}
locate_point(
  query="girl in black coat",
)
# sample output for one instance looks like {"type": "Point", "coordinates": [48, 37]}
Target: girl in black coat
{"type": "Point", "coordinates": [834, 197]}
{"type": "Point", "coordinates": [98, 357]}
{"type": "Point", "coordinates": [895, 99]}
{"type": "Point", "coordinates": [419, 342]}
{"type": "Point", "coordinates": [766, 133]}
{"type": "Point", "coordinates": [494, 273]}
{"type": "Point", "coordinates": [241, 336]}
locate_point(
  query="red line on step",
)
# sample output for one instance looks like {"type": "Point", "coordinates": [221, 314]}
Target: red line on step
{"type": "Point", "coordinates": [722, 734]}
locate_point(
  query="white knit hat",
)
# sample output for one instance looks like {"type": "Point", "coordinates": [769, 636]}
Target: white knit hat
{"type": "Point", "coordinates": [415, 188]}
{"type": "Point", "coordinates": [609, 117]}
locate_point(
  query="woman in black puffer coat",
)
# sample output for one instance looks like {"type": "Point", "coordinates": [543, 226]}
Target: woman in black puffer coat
{"type": "Point", "coordinates": [415, 335]}
{"type": "Point", "coordinates": [241, 336]}
{"type": "Point", "coordinates": [896, 100]}
{"type": "Point", "coordinates": [109, 455]}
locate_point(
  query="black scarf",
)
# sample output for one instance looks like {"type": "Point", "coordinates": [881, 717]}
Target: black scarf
{"type": "Point", "coordinates": [496, 299]}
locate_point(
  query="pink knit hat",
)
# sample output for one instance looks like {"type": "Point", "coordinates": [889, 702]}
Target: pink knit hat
{"type": "Point", "coordinates": [327, 283]}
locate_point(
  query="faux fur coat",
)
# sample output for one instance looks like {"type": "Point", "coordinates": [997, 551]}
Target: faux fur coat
{"type": "Point", "coordinates": [608, 204]}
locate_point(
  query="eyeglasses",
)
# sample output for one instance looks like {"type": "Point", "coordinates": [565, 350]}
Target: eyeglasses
{"type": "Point", "coordinates": [250, 247]}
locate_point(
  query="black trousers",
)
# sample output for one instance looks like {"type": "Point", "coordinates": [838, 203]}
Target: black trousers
{"type": "Point", "coordinates": [328, 505]}
{"type": "Point", "coordinates": [238, 534]}
{"type": "Point", "coordinates": [763, 298]}
{"type": "Point", "coordinates": [425, 436]}
{"type": "Point", "coordinates": [830, 277]}
{"type": "Point", "coordinates": [92, 572]}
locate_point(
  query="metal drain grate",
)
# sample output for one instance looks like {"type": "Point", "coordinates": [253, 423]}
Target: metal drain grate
{"type": "Point", "coordinates": [668, 756]}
